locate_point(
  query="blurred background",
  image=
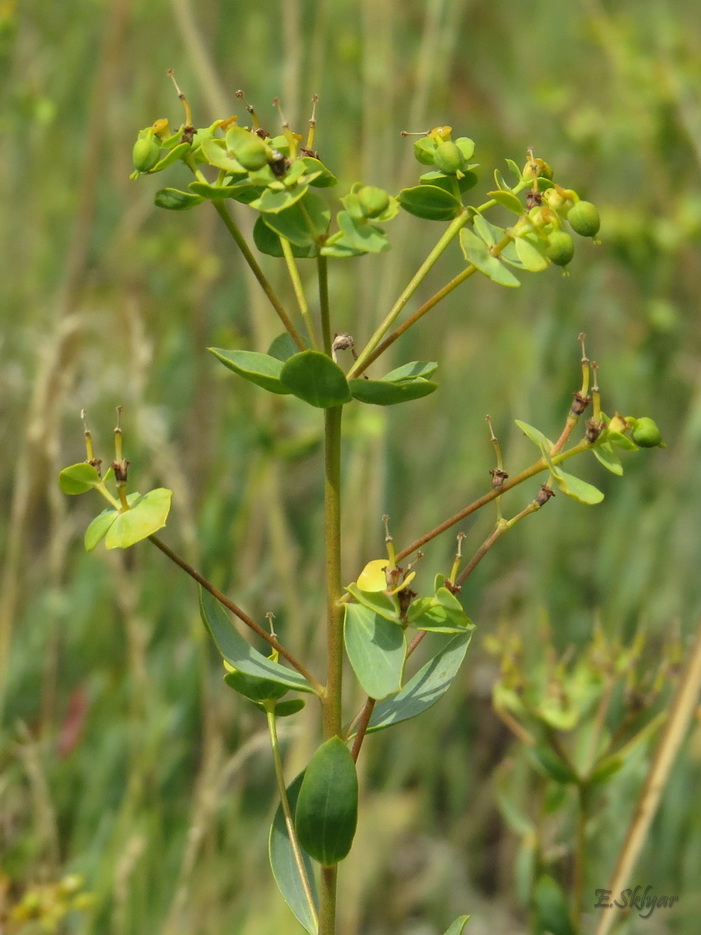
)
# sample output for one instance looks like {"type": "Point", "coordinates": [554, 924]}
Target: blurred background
{"type": "Point", "coordinates": [123, 756]}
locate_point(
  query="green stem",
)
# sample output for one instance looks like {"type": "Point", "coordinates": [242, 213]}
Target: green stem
{"type": "Point", "coordinates": [235, 609]}
{"type": "Point", "coordinates": [327, 900]}
{"type": "Point", "coordinates": [287, 812]}
{"type": "Point", "coordinates": [298, 290]}
{"type": "Point", "coordinates": [334, 607]}
{"type": "Point", "coordinates": [322, 270]}
{"type": "Point", "coordinates": [233, 229]}
{"type": "Point", "coordinates": [448, 236]}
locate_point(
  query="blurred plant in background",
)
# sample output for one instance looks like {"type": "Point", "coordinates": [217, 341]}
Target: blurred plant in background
{"type": "Point", "coordinates": [108, 690]}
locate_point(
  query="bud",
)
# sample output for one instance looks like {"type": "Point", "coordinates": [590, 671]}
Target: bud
{"type": "Point", "coordinates": [560, 248]}
{"type": "Point", "coordinates": [373, 201]}
{"type": "Point", "coordinates": [448, 158]}
{"type": "Point", "coordinates": [645, 433]}
{"type": "Point", "coordinates": [147, 150]}
{"type": "Point", "coordinates": [583, 218]}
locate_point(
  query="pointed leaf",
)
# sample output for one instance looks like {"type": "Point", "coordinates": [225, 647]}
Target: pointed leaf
{"type": "Point", "coordinates": [359, 234]}
{"type": "Point", "coordinates": [238, 653]}
{"type": "Point", "coordinates": [488, 232]}
{"type": "Point", "coordinates": [577, 488]}
{"type": "Point", "coordinates": [476, 252]}
{"type": "Point", "coordinates": [275, 201]}
{"type": "Point", "coordinates": [78, 478]}
{"type": "Point", "coordinates": [327, 805]}
{"type": "Point", "coordinates": [442, 613]}
{"type": "Point", "coordinates": [325, 178]}
{"type": "Point", "coordinates": [430, 202]}
{"type": "Point", "coordinates": [285, 868]}
{"type": "Point", "coordinates": [416, 368]}
{"type": "Point", "coordinates": [376, 649]}
{"type": "Point", "coordinates": [175, 200]}
{"type": "Point", "coordinates": [535, 435]}
{"type": "Point", "coordinates": [386, 393]}
{"type": "Point", "coordinates": [315, 378]}
{"type": "Point", "coordinates": [607, 456]}
{"type": "Point", "coordinates": [98, 528]}
{"type": "Point", "coordinates": [508, 200]}
{"type": "Point", "coordinates": [458, 926]}
{"type": "Point", "coordinates": [422, 691]}
{"type": "Point", "coordinates": [147, 515]}
{"type": "Point", "coordinates": [261, 369]}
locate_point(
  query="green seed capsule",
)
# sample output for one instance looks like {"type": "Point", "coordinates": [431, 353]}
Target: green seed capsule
{"type": "Point", "coordinates": [583, 218]}
{"type": "Point", "coordinates": [646, 434]}
{"type": "Point", "coordinates": [448, 158]}
{"type": "Point", "coordinates": [373, 201]}
{"type": "Point", "coordinates": [560, 248]}
{"type": "Point", "coordinates": [253, 154]}
{"type": "Point", "coordinates": [146, 151]}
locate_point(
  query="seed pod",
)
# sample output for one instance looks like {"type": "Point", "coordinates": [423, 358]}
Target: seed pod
{"type": "Point", "coordinates": [646, 434]}
{"type": "Point", "coordinates": [448, 158]}
{"type": "Point", "coordinates": [146, 151]}
{"type": "Point", "coordinates": [583, 218]}
{"type": "Point", "coordinates": [560, 248]}
{"type": "Point", "coordinates": [373, 201]}
{"type": "Point", "coordinates": [252, 153]}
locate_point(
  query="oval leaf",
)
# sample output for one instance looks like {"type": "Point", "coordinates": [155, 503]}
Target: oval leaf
{"type": "Point", "coordinates": [238, 653]}
{"type": "Point", "coordinates": [303, 223]}
{"type": "Point", "coordinates": [253, 687]}
{"type": "Point", "coordinates": [268, 242]}
{"type": "Point", "coordinates": [422, 691]}
{"type": "Point", "coordinates": [146, 516]}
{"type": "Point", "coordinates": [476, 252]}
{"type": "Point", "coordinates": [376, 649]}
{"type": "Point", "coordinates": [430, 202]}
{"type": "Point", "coordinates": [175, 200]}
{"type": "Point", "coordinates": [507, 199]}
{"type": "Point", "coordinates": [535, 435]}
{"type": "Point", "coordinates": [78, 478]}
{"type": "Point", "coordinates": [301, 899]}
{"type": "Point", "coordinates": [327, 807]}
{"type": "Point", "coordinates": [315, 378]}
{"type": "Point", "coordinates": [386, 393]}
{"type": "Point", "coordinates": [577, 488]}
{"type": "Point", "coordinates": [261, 369]}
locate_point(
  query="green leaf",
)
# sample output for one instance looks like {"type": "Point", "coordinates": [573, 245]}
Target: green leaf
{"type": "Point", "coordinates": [315, 378]}
{"type": "Point", "coordinates": [261, 369]}
{"type": "Point", "coordinates": [147, 515]}
{"type": "Point", "coordinates": [303, 223]}
{"type": "Point", "coordinates": [268, 242]}
{"type": "Point", "coordinates": [238, 192]}
{"type": "Point", "coordinates": [508, 200]}
{"type": "Point", "coordinates": [253, 687]}
{"type": "Point", "coordinates": [553, 765]}
{"type": "Point", "coordinates": [386, 393]}
{"type": "Point", "coordinates": [577, 489]}
{"type": "Point", "coordinates": [283, 347]}
{"type": "Point", "coordinates": [327, 807]}
{"type": "Point", "coordinates": [376, 649]}
{"type": "Point", "coordinates": [79, 478]}
{"type": "Point", "coordinates": [284, 865]}
{"type": "Point", "coordinates": [173, 155]}
{"type": "Point", "coordinates": [427, 687]}
{"type": "Point", "coordinates": [526, 252]}
{"type": "Point", "coordinates": [476, 252]}
{"type": "Point", "coordinates": [359, 234]}
{"type": "Point", "coordinates": [430, 202]}
{"type": "Point", "coordinates": [552, 913]}
{"type": "Point", "coordinates": [447, 182]}
{"type": "Point", "coordinates": [377, 601]}
{"type": "Point", "coordinates": [458, 926]}
{"type": "Point", "coordinates": [273, 201]}
{"type": "Point", "coordinates": [289, 706]}
{"type": "Point", "coordinates": [238, 653]}
{"type": "Point", "coordinates": [535, 435]}
{"type": "Point", "coordinates": [175, 200]}
{"type": "Point", "coordinates": [325, 178]}
{"type": "Point", "coordinates": [514, 168]}
{"type": "Point", "coordinates": [607, 456]}
{"type": "Point", "coordinates": [216, 153]}
{"type": "Point", "coordinates": [442, 613]}
{"type": "Point", "coordinates": [416, 368]}
{"type": "Point", "coordinates": [97, 530]}
{"type": "Point", "coordinates": [488, 232]}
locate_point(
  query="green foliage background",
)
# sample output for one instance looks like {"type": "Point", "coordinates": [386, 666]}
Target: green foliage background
{"type": "Point", "coordinates": [163, 796]}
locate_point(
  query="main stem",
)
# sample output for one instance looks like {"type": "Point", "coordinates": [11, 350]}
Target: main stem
{"type": "Point", "coordinates": [331, 702]}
